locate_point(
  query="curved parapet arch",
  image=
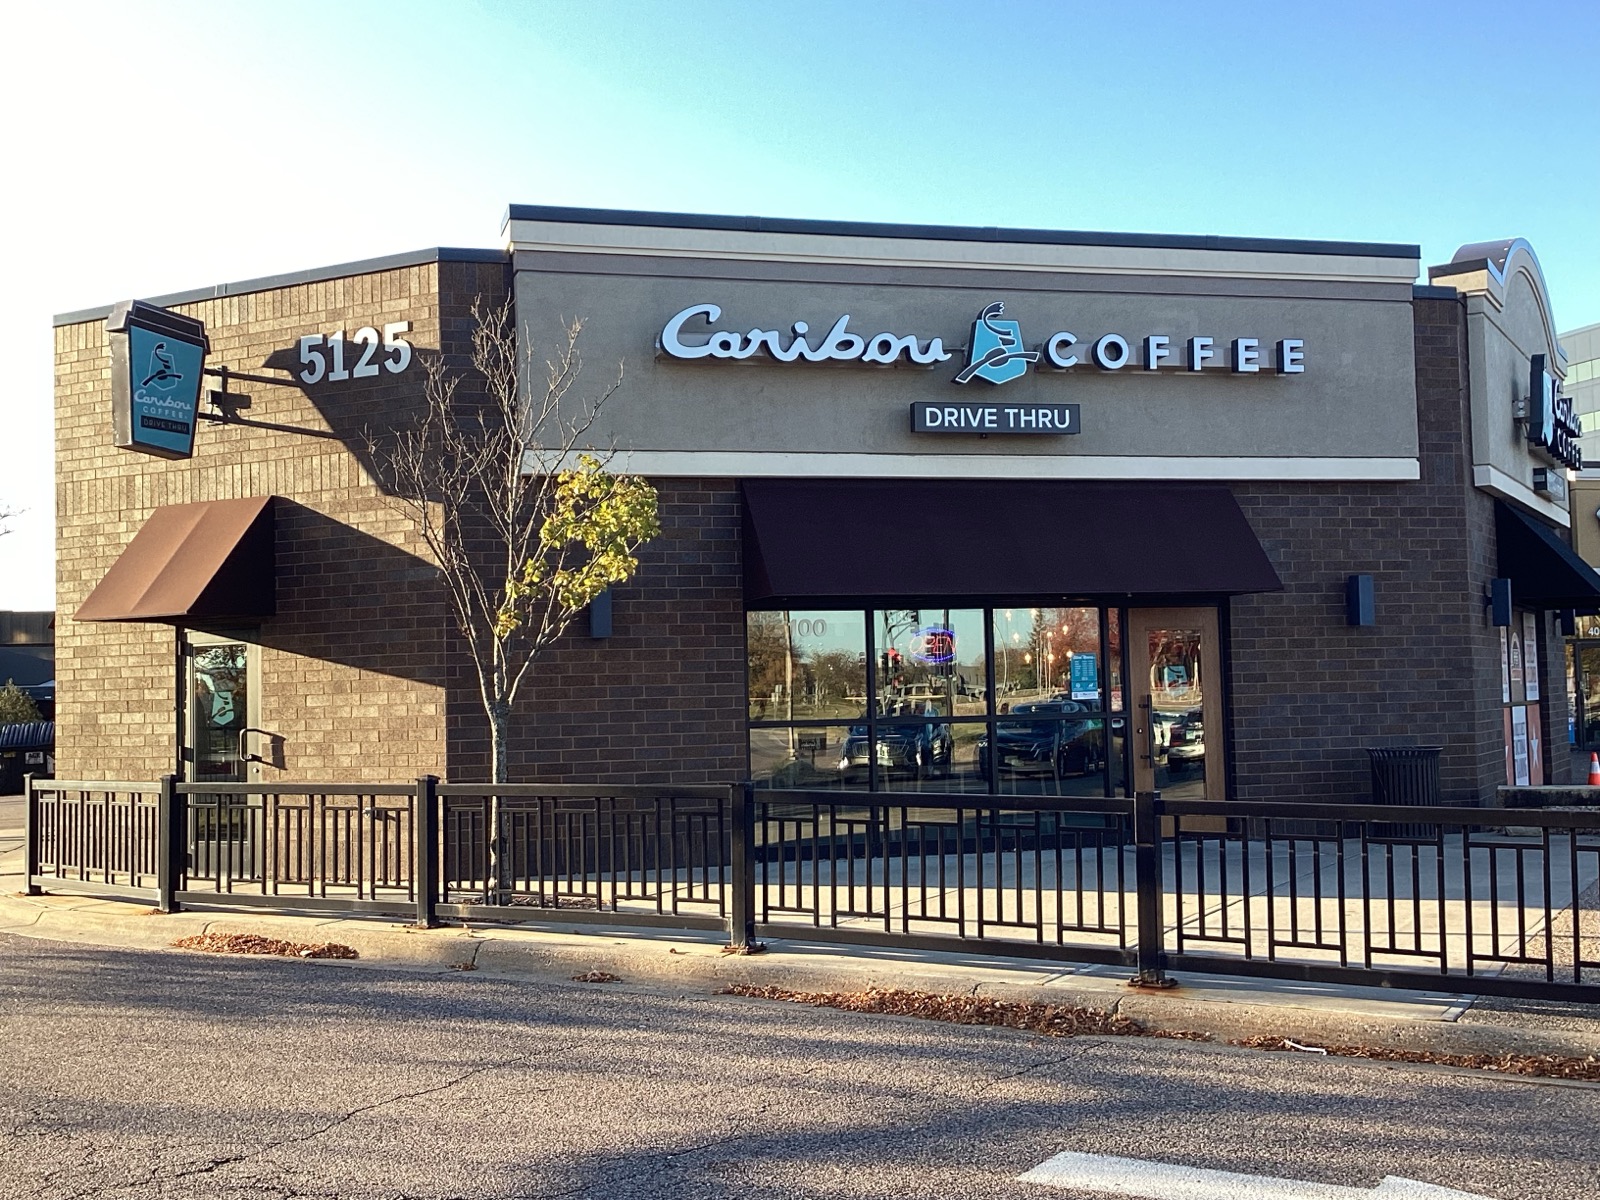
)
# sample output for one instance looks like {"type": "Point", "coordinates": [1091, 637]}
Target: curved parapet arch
{"type": "Point", "coordinates": [1489, 268]}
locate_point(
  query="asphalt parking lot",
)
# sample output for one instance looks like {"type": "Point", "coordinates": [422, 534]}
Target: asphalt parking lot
{"type": "Point", "coordinates": [135, 1073]}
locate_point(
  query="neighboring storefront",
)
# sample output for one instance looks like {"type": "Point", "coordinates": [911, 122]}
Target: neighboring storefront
{"type": "Point", "coordinates": [963, 509]}
{"type": "Point", "coordinates": [1582, 347]}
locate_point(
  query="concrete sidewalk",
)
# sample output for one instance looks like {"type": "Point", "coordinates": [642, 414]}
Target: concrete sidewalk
{"type": "Point", "coordinates": [1223, 1006]}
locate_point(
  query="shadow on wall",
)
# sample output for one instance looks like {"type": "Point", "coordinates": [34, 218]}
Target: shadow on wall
{"type": "Point", "coordinates": [374, 400]}
{"type": "Point", "coordinates": [360, 415]}
{"type": "Point", "coordinates": [352, 599]}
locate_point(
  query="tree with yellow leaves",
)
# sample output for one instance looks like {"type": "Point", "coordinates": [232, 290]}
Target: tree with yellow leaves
{"type": "Point", "coordinates": [528, 526]}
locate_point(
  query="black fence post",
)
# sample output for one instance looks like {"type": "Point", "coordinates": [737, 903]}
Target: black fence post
{"type": "Point", "coordinates": [425, 851]}
{"type": "Point", "coordinates": [1147, 882]}
{"type": "Point", "coordinates": [30, 839]}
{"type": "Point", "coordinates": [742, 905]}
{"type": "Point", "coordinates": [171, 836]}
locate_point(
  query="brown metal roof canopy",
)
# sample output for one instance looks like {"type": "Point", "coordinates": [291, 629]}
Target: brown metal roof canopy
{"type": "Point", "coordinates": [212, 560]}
{"type": "Point", "coordinates": [1544, 571]}
{"type": "Point", "coordinates": [835, 540]}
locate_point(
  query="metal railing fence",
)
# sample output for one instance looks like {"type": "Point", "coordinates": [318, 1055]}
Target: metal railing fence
{"type": "Point", "coordinates": [1509, 899]}
{"type": "Point", "coordinates": [650, 854]}
{"type": "Point", "coordinates": [1483, 900]}
{"type": "Point", "coordinates": [1040, 876]}
{"type": "Point", "coordinates": [318, 846]}
{"type": "Point", "coordinates": [102, 838]}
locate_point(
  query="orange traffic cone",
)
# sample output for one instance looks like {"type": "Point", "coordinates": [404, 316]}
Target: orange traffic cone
{"type": "Point", "coordinates": [1594, 770]}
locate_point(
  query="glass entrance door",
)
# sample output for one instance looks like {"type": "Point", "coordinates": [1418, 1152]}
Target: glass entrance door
{"type": "Point", "coordinates": [217, 710]}
{"type": "Point", "coordinates": [1175, 676]}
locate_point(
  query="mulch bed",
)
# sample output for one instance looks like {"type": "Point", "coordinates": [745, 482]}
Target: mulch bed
{"type": "Point", "coordinates": [1052, 1020]}
{"type": "Point", "coordinates": [1068, 1020]}
{"type": "Point", "coordinates": [1550, 1066]}
{"type": "Point", "coordinates": [254, 943]}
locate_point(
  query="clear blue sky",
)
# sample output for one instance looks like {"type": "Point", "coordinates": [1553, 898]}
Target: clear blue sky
{"type": "Point", "coordinates": [319, 133]}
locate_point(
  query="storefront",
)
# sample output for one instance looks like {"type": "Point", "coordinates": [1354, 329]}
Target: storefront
{"type": "Point", "coordinates": [961, 509]}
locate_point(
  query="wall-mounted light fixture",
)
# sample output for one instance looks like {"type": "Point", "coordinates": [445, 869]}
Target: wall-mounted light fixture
{"type": "Point", "coordinates": [1569, 622]}
{"type": "Point", "coordinates": [1498, 601]}
{"type": "Point", "coordinates": [1360, 605]}
{"type": "Point", "coordinates": [600, 615]}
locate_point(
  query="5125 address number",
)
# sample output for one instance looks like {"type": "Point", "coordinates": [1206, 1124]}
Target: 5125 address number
{"type": "Point", "coordinates": [330, 364]}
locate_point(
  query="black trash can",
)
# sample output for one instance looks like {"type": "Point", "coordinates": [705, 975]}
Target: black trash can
{"type": "Point", "coordinates": [1405, 775]}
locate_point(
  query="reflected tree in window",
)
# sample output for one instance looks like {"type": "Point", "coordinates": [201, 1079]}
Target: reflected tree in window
{"type": "Point", "coordinates": [767, 637]}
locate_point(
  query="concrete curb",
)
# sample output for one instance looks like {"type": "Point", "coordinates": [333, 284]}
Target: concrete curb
{"type": "Point", "coordinates": [690, 961]}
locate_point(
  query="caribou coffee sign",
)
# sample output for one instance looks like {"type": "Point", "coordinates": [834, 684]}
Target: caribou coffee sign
{"type": "Point", "coordinates": [157, 357]}
{"type": "Point", "coordinates": [996, 352]}
{"type": "Point", "coordinates": [1552, 424]}
{"type": "Point", "coordinates": [839, 344]}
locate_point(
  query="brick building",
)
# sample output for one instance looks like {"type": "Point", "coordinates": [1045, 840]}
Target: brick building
{"type": "Point", "coordinates": [1209, 515]}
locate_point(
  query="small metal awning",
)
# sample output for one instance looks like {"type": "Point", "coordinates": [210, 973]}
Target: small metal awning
{"type": "Point", "coordinates": [208, 561]}
{"type": "Point", "coordinates": [1544, 571]}
{"type": "Point", "coordinates": [28, 735]}
{"type": "Point", "coordinates": [832, 541]}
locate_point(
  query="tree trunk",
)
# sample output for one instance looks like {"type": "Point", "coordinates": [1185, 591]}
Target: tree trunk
{"type": "Point", "coordinates": [499, 730]}
{"type": "Point", "coordinates": [499, 769]}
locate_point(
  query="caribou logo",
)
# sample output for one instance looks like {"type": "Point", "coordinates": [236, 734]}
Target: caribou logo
{"type": "Point", "coordinates": [996, 352]}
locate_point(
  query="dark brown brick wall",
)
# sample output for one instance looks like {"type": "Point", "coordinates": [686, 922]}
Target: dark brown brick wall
{"type": "Point", "coordinates": [1308, 692]}
{"type": "Point", "coordinates": [662, 699]}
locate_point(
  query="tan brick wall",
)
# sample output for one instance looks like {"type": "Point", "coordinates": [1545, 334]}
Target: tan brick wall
{"type": "Point", "coordinates": [353, 667]}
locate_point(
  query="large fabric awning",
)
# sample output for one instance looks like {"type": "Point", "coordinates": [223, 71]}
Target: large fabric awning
{"type": "Point", "coordinates": [207, 561]}
{"type": "Point", "coordinates": [844, 540]}
{"type": "Point", "coordinates": [1544, 571]}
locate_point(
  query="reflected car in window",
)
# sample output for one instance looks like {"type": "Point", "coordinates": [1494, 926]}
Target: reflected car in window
{"type": "Point", "coordinates": [1186, 741]}
{"type": "Point", "coordinates": [1029, 741]}
{"type": "Point", "coordinates": [920, 751]}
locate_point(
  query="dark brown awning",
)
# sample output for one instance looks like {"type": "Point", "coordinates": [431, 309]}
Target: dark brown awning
{"type": "Point", "coordinates": [211, 560]}
{"type": "Point", "coordinates": [836, 540]}
{"type": "Point", "coordinates": [1544, 571]}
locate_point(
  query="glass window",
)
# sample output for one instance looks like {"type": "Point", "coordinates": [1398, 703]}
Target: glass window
{"type": "Point", "coordinates": [806, 666]}
{"type": "Point", "coordinates": [1014, 700]}
{"type": "Point", "coordinates": [1044, 652]}
{"type": "Point", "coordinates": [218, 706]}
{"type": "Point", "coordinates": [1114, 658]}
{"type": "Point", "coordinates": [804, 756]}
{"type": "Point", "coordinates": [1046, 748]}
{"type": "Point", "coordinates": [930, 662]}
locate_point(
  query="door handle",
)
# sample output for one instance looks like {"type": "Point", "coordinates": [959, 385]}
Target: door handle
{"type": "Point", "coordinates": [243, 756]}
{"type": "Point", "coordinates": [1148, 729]}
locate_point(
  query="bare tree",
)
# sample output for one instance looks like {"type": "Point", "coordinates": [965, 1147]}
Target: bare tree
{"type": "Point", "coordinates": [5, 518]}
{"type": "Point", "coordinates": [527, 527]}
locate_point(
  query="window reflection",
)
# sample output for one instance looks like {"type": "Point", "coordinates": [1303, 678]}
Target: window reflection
{"type": "Point", "coordinates": [1045, 652]}
{"type": "Point", "coordinates": [801, 756]}
{"type": "Point", "coordinates": [930, 662]}
{"type": "Point", "coordinates": [1177, 722]}
{"type": "Point", "coordinates": [806, 665]}
{"type": "Point", "coordinates": [1045, 737]}
{"type": "Point", "coordinates": [1114, 658]}
{"type": "Point", "coordinates": [1016, 700]}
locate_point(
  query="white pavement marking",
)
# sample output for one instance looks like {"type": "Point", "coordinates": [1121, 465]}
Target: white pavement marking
{"type": "Point", "coordinates": [1168, 1181]}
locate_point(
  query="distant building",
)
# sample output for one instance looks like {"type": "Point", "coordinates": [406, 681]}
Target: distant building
{"type": "Point", "coordinates": [28, 656]}
{"type": "Point", "coordinates": [1583, 385]}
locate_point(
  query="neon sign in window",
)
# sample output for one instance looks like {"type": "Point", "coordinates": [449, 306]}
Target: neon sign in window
{"type": "Point", "coordinates": [932, 644]}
